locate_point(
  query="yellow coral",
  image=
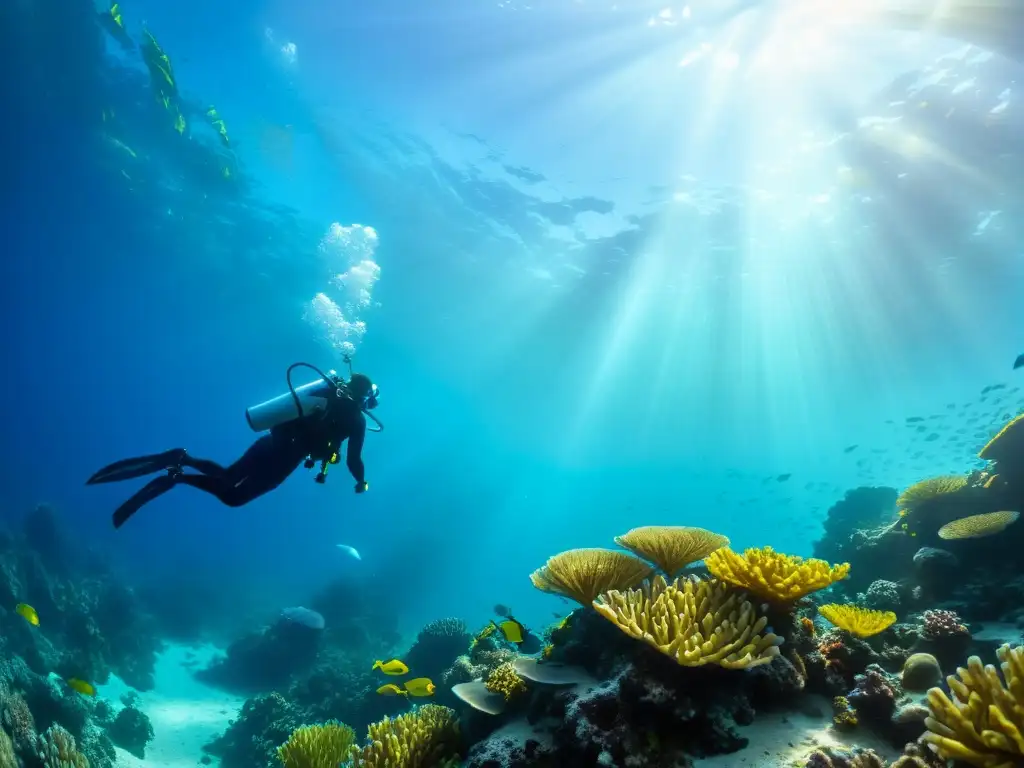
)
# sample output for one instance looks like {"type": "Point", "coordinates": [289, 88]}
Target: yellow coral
{"type": "Point", "coordinates": [671, 547]}
{"type": "Point", "coordinates": [583, 574]}
{"type": "Point", "coordinates": [982, 724]}
{"type": "Point", "coordinates": [424, 738]}
{"type": "Point", "coordinates": [57, 749]}
{"type": "Point", "coordinates": [506, 681]}
{"type": "Point", "coordinates": [977, 526]}
{"type": "Point", "coordinates": [692, 621]}
{"type": "Point", "coordinates": [317, 746]}
{"type": "Point", "coordinates": [933, 488]}
{"type": "Point", "coordinates": [7, 757]}
{"type": "Point", "coordinates": [1008, 445]}
{"type": "Point", "coordinates": [862, 622]}
{"type": "Point", "coordinates": [773, 575]}
{"type": "Point", "coordinates": [844, 716]}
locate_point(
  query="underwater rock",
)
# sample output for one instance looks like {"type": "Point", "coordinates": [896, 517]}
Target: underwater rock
{"type": "Point", "coordinates": [131, 730]}
{"type": "Point", "coordinates": [855, 533]}
{"type": "Point", "coordinates": [516, 745]}
{"type": "Point", "coordinates": [264, 661]}
{"type": "Point", "coordinates": [437, 647]}
{"type": "Point", "coordinates": [875, 695]}
{"type": "Point", "coordinates": [304, 617]}
{"type": "Point", "coordinates": [883, 595]}
{"type": "Point", "coordinates": [263, 724]}
{"type": "Point", "coordinates": [936, 571]}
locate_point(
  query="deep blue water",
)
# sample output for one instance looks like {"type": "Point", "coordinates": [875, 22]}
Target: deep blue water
{"type": "Point", "coordinates": [614, 291]}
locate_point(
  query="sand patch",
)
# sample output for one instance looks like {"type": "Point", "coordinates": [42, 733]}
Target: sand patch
{"type": "Point", "coordinates": [785, 739]}
{"type": "Point", "coordinates": [185, 713]}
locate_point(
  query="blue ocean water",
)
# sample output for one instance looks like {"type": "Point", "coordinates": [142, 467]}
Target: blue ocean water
{"type": "Point", "coordinates": [636, 267]}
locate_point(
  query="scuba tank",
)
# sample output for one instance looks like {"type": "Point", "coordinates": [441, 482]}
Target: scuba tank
{"type": "Point", "coordinates": [312, 397]}
{"type": "Point", "coordinates": [296, 402]}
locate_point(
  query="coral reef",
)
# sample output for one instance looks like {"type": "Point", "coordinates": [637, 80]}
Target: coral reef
{"type": "Point", "coordinates": [772, 575]}
{"type": "Point", "coordinates": [861, 622]}
{"type": "Point", "coordinates": [428, 736]}
{"type": "Point", "coordinates": [131, 730]}
{"type": "Point", "coordinates": [583, 574]}
{"type": "Point", "coordinates": [671, 548]}
{"type": "Point", "coordinates": [692, 621]}
{"type": "Point", "coordinates": [982, 723]}
{"type": "Point", "coordinates": [317, 746]}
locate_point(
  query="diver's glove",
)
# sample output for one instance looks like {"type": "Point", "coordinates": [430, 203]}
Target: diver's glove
{"type": "Point", "coordinates": [362, 487]}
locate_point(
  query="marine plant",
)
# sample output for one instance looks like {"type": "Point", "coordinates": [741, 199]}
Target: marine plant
{"type": "Point", "coordinates": [772, 575]}
{"type": "Point", "coordinates": [583, 574]}
{"type": "Point", "coordinates": [671, 547]}
{"type": "Point", "coordinates": [424, 738]}
{"type": "Point", "coordinates": [983, 722]}
{"type": "Point", "coordinates": [692, 621]}
{"type": "Point", "coordinates": [862, 622]}
{"type": "Point", "coordinates": [317, 746]}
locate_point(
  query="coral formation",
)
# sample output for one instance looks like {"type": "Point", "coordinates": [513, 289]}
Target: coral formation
{"type": "Point", "coordinates": [131, 730]}
{"type": "Point", "coordinates": [982, 723]}
{"type": "Point", "coordinates": [693, 622]}
{"type": "Point", "coordinates": [920, 672]}
{"type": "Point", "coordinates": [506, 681]}
{"type": "Point", "coordinates": [671, 548]}
{"type": "Point", "coordinates": [978, 526]}
{"type": "Point", "coordinates": [772, 575]}
{"type": "Point", "coordinates": [57, 749]}
{"type": "Point", "coordinates": [927, 491]}
{"type": "Point", "coordinates": [862, 622]}
{"type": "Point", "coordinates": [317, 746]}
{"type": "Point", "coordinates": [583, 574]}
{"type": "Point", "coordinates": [424, 738]}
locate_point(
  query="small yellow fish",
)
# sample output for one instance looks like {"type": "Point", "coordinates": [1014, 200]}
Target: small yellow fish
{"type": "Point", "coordinates": [421, 686]}
{"type": "Point", "coordinates": [391, 690]}
{"type": "Point", "coordinates": [81, 686]}
{"type": "Point", "coordinates": [512, 630]}
{"type": "Point", "coordinates": [393, 667]}
{"type": "Point", "coordinates": [28, 613]}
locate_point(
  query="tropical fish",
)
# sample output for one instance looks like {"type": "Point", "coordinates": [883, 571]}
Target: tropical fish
{"type": "Point", "coordinates": [393, 667]}
{"type": "Point", "coordinates": [350, 551]}
{"type": "Point", "coordinates": [390, 689]}
{"type": "Point", "coordinates": [28, 613]}
{"type": "Point", "coordinates": [81, 686]}
{"type": "Point", "coordinates": [516, 633]}
{"type": "Point", "coordinates": [421, 686]}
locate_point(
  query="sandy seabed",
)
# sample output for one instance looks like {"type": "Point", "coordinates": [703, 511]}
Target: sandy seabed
{"type": "Point", "coordinates": [185, 713]}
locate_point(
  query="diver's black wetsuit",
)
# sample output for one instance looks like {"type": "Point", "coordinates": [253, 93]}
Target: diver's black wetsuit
{"type": "Point", "coordinates": [265, 465]}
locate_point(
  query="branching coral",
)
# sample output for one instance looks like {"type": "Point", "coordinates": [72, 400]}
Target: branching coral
{"type": "Point", "coordinates": [773, 575]}
{"type": "Point", "coordinates": [862, 622]}
{"type": "Point", "coordinates": [978, 526]}
{"type": "Point", "coordinates": [317, 746]}
{"type": "Point", "coordinates": [982, 724]}
{"type": "Point", "coordinates": [693, 621]}
{"type": "Point", "coordinates": [506, 681]}
{"type": "Point", "coordinates": [1007, 447]}
{"type": "Point", "coordinates": [424, 738]}
{"type": "Point", "coordinates": [671, 547]}
{"type": "Point", "coordinates": [57, 749]}
{"type": "Point", "coordinates": [583, 574]}
{"type": "Point", "coordinates": [928, 490]}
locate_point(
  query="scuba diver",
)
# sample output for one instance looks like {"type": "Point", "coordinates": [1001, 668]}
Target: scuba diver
{"type": "Point", "coordinates": [307, 423]}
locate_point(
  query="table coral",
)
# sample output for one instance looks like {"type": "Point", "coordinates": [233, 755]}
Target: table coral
{"type": "Point", "coordinates": [862, 622]}
{"type": "Point", "coordinates": [671, 547]}
{"type": "Point", "coordinates": [772, 575]}
{"type": "Point", "coordinates": [583, 574]}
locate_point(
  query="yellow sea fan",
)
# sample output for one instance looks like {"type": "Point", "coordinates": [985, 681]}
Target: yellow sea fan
{"type": "Point", "coordinates": [692, 621]}
{"type": "Point", "coordinates": [317, 746]}
{"type": "Point", "coordinates": [924, 491]}
{"type": "Point", "coordinates": [583, 574]}
{"type": "Point", "coordinates": [671, 547]}
{"type": "Point", "coordinates": [773, 575]}
{"type": "Point", "coordinates": [1008, 445]}
{"type": "Point", "coordinates": [982, 723]}
{"type": "Point", "coordinates": [977, 526]}
{"type": "Point", "coordinates": [424, 738]}
{"type": "Point", "coordinates": [858, 621]}
{"type": "Point", "coordinates": [506, 681]}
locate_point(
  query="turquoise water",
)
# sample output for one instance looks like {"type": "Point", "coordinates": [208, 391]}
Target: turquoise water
{"type": "Point", "coordinates": [611, 264]}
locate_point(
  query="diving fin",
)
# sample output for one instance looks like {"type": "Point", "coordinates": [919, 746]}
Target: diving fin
{"type": "Point", "coordinates": [149, 491]}
{"type": "Point", "coordinates": [128, 469]}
